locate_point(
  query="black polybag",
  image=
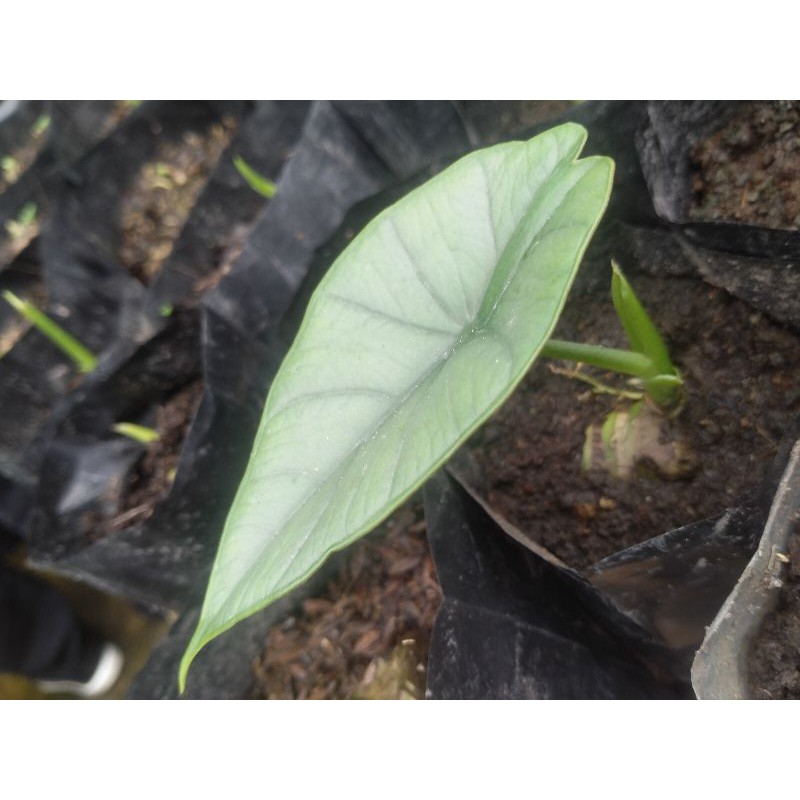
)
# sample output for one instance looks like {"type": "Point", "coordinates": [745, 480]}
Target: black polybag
{"type": "Point", "coordinates": [516, 625]}
{"type": "Point", "coordinates": [758, 265]}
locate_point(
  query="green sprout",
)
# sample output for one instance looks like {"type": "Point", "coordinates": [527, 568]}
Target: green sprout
{"type": "Point", "coordinates": [41, 125]}
{"type": "Point", "coordinates": [27, 214]}
{"type": "Point", "coordinates": [648, 359]}
{"type": "Point", "coordinates": [10, 168]}
{"type": "Point", "coordinates": [22, 225]}
{"type": "Point", "coordinates": [139, 433]}
{"type": "Point", "coordinates": [85, 360]}
{"type": "Point", "coordinates": [256, 181]}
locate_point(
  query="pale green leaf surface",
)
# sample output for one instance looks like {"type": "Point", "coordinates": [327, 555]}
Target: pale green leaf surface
{"type": "Point", "coordinates": [420, 329]}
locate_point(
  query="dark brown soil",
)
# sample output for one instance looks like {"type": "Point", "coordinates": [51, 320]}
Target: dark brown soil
{"type": "Point", "coordinates": [742, 375]}
{"type": "Point", "coordinates": [151, 480]}
{"type": "Point", "coordinates": [749, 171]}
{"type": "Point", "coordinates": [155, 209]}
{"type": "Point", "coordinates": [366, 636]}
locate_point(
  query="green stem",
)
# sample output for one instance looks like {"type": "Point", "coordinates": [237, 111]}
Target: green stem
{"type": "Point", "coordinates": [624, 361]}
{"type": "Point", "coordinates": [69, 345]}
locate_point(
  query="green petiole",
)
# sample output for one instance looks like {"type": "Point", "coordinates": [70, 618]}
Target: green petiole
{"type": "Point", "coordinates": [608, 358]}
{"type": "Point", "coordinates": [648, 358]}
{"type": "Point", "coordinates": [85, 360]}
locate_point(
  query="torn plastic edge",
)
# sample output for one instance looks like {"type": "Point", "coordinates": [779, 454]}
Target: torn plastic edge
{"type": "Point", "coordinates": [719, 671]}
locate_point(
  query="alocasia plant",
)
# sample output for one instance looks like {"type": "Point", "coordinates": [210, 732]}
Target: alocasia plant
{"type": "Point", "coordinates": [419, 331]}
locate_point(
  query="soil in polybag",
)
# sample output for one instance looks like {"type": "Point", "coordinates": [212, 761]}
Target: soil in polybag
{"type": "Point", "coordinates": [705, 478]}
{"type": "Point", "coordinates": [721, 175]}
{"type": "Point", "coordinates": [747, 171]}
{"type": "Point", "coordinates": [153, 473]}
{"type": "Point", "coordinates": [366, 636]}
{"type": "Point", "coordinates": [227, 208]}
{"type": "Point", "coordinates": [92, 480]}
{"type": "Point", "coordinates": [160, 198]}
{"type": "Point", "coordinates": [742, 376]}
{"type": "Point", "coordinates": [517, 624]}
{"type": "Point", "coordinates": [139, 183]}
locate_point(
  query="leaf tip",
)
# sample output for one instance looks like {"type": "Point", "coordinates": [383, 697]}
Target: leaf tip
{"type": "Point", "coordinates": [199, 640]}
{"type": "Point", "coordinates": [205, 632]}
{"type": "Point", "coordinates": [186, 662]}
{"type": "Point", "coordinates": [620, 288]}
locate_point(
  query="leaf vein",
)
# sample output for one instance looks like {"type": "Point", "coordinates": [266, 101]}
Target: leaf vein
{"type": "Point", "coordinates": [423, 281]}
{"type": "Point", "coordinates": [389, 317]}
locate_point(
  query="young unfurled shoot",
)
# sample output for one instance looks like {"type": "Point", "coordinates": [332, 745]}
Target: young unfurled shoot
{"type": "Point", "coordinates": [139, 433]}
{"type": "Point", "coordinates": [83, 358]}
{"type": "Point", "coordinates": [24, 226]}
{"type": "Point", "coordinates": [648, 359]}
{"type": "Point", "coordinates": [255, 180]}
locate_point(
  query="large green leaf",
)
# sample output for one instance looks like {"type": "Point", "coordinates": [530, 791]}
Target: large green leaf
{"type": "Point", "coordinates": [418, 332]}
